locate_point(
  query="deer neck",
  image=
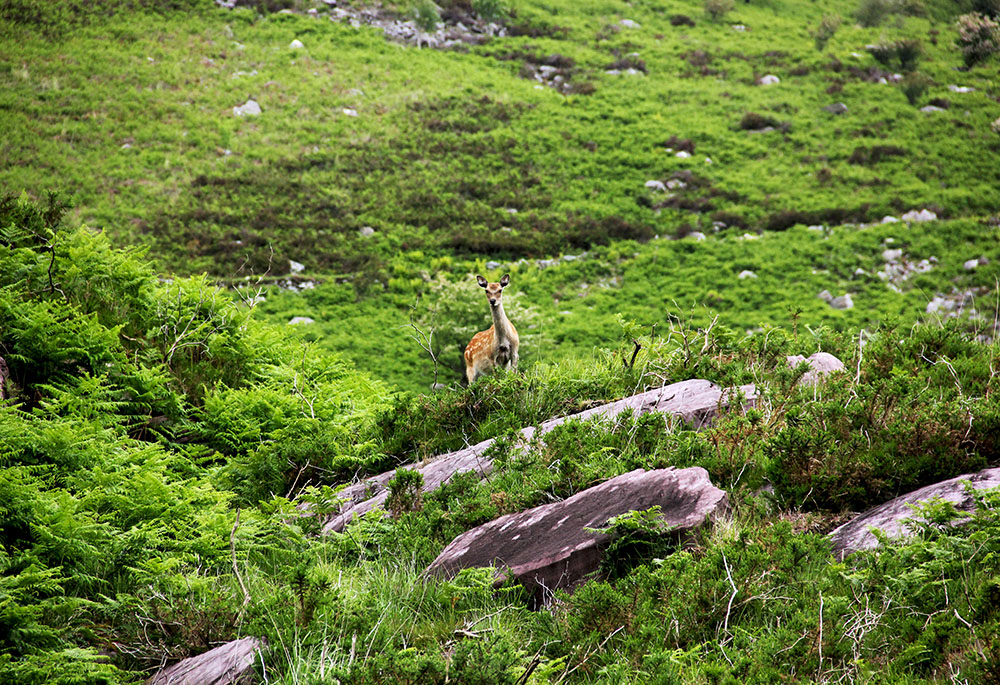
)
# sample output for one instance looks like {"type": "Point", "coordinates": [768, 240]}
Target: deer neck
{"type": "Point", "coordinates": [501, 325]}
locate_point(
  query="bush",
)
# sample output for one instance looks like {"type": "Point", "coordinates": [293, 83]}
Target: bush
{"type": "Point", "coordinates": [824, 32]}
{"type": "Point", "coordinates": [914, 86]}
{"type": "Point", "coordinates": [978, 37]}
{"type": "Point", "coordinates": [903, 54]}
{"type": "Point", "coordinates": [426, 15]}
{"type": "Point", "coordinates": [716, 9]}
{"type": "Point", "coordinates": [874, 12]}
{"type": "Point", "coordinates": [989, 8]}
{"type": "Point", "coordinates": [489, 10]}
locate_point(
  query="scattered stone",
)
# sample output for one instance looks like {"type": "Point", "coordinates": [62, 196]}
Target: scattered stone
{"type": "Point", "coordinates": [350, 112]}
{"type": "Point", "coordinates": [228, 664]}
{"type": "Point", "coordinates": [971, 264]}
{"type": "Point", "coordinates": [296, 267]}
{"type": "Point", "coordinates": [931, 108]}
{"type": "Point", "coordinates": [708, 160]}
{"type": "Point", "coordinates": [892, 255]}
{"type": "Point", "coordinates": [127, 146]}
{"type": "Point", "coordinates": [825, 295]}
{"type": "Point", "coordinates": [682, 154]}
{"type": "Point", "coordinates": [694, 402]}
{"type": "Point", "coordinates": [892, 517]}
{"type": "Point", "coordinates": [739, 27]}
{"type": "Point", "coordinates": [676, 184]}
{"type": "Point", "coordinates": [842, 302]}
{"type": "Point", "coordinates": [300, 320]}
{"type": "Point", "coordinates": [960, 89]}
{"type": "Point", "coordinates": [820, 364]}
{"type": "Point", "coordinates": [629, 24]}
{"type": "Point", "coordinates": [697, 235]}
{"type": "Point", "coordinates": [366, 231]}
{"type": "Point", "coordinates": [860, 272]}
{"type": "Point", "coordinates": [296, 44]}
{"type": "Point", "coordinates": [914, 216]}
{"type": "Point", "coordinates": [836, 108]}
{"type": "Point", "coordinates": [890, 220]}
{"type": "Point", "coordinates": [656, 185]}
{"type": "Point", "coordinates": [250, 109]}
{"type": "Point", "coordinates": [554, 546]}
{"type": "Point", "coordinates": [769, 80]}
{"type": "Point", "coordinates": [746, 274]}
{"type": "Point", "coordinates": [816, 228]}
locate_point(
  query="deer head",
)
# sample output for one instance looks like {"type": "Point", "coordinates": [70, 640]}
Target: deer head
{"type": "Point", "coordinates": [494, 291]}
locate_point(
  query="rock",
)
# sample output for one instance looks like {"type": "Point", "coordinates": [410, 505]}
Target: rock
{"type": "Point", "coordinates": [492, 265]}
{"type": "Point", "coordinates": [890, 220]}
{"type": "Point", "coordinates": [656, 185]}
{"type": "Point", "coordinates": [708, 160]}
{"type": "Point", "coordinates": [917, 217]}
{"type": "Point", "coordinates": [892, 255]}
{"type": "Point", "coordinates": [550, 547]}
{"type": "Point", "coordinates": [769, 80]}
{"type": "Point", "coordinates": [842, 302]}
{"type": "Point", "coordinates": [739, 27]}
{"type": "Point", "coordinates": [697, 235]}
{"type": "Point", "coordinates": [931, 108]}
{"type": "Point", "coordinates": [296, 44]}
{"type": "Point", "coordinates": [820, 363]}
{"type": "Point", "coordinates": [816, 228]}
{"type": "Point", "coordinates": [300, 320]}
{"type": "Point", "coordinates": [249, 109]}
{"type": "Point", "coordinates": [746, 274]}
{"type": "Point", "coordinates": [366, 231]}
{"type": "Point", "coordinates": [682, 154]}
{"type": "Point", "coordinates": [960, 89]}
{"type": "Point", "coordinates": [971, 264]}
{"type": "Point", "coordinates": [695, 402]}
{"type": "Point", "coordinates": [676, 184]}
{"type": "Point", "coordinates": [296, 267]}
{"type": "Point", "coordinates": [892, 516]}
{"type": "Point", "coordinates": [836, 108]}
{"type": "Point", "coordinates": [232, 662]}
{"type": "Point", "coordinates": [860, 272]}
{"type": "Point", "coordinates": [939, 303]}
{"type": "Point", "coordinates": [825, 295]}
{"type": "Point", "coordinates": [629, 24]}
{"type": "Point", "coordinates": [348, 112]}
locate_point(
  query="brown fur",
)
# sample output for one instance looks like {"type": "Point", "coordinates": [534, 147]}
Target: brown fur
{"type": "Point", "coordinates": [497, 346]}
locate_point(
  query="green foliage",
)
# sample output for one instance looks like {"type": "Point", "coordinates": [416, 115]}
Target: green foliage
{"type": "Point", "coordinates": [490, 10]}
{"type": "Point", "coordinates": [426, 14]}
{"type": "Point", "coordinates": [914, 85]}
{"type": "Point", "coordinates": [405, 493]}
{"type": "Point", "coordinates": [903, 54]}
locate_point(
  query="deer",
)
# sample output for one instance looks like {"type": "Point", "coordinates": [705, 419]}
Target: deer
{"type": "Point", "coordinates": [496, 346]}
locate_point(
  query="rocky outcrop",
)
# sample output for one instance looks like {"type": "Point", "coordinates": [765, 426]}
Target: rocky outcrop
{"type": "Point", "coordinates": [820, 364]}
{"type": "Point", "coordinates": [891, 517]}
{"type": "Point", "coordinates": [695, 402]}
{"type": "Point", "coordinates": [550, 547]}
{"type": "Point", "coordinates": [229, 664]}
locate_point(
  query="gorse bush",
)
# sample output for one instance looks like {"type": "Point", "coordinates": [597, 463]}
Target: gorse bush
{"type": "Point", "coordinates": [827, 28]}
{"type": "Point", "coordinates": [978, 37]}
{"type": "Point", "coordinates": [874, 12]}
{"type": "Point", "coordinates": [717, 9]}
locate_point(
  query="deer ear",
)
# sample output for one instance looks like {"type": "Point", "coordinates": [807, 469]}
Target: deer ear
{"type": "Point", "coordinates": [505, 280]}
{"type": "Point", "coordinates": [481, 281]}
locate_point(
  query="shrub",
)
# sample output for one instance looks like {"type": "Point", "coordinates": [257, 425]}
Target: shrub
{"type": "Point", "coordinates": [489, 10]}
{"type": "Point", "coordinates": [405, 494]}
{"type": "Point", "coordinates": [716, 9]}
{"type": "Point", "coordinates": [824, 32]}
{"type": "Point", "coordinates": [752, 121]}
{"type": "Point", "coordinates": [914, 86]}
{"type": "Point", "coordinates": [874, 12]}
{"type": "Point", "coordinates": [681, 20]}
{"type": "Point", "coordinates": [901, 53]}
{"type": "Point", "coordinates": [978, 37]}
{"type": "Point", "coordinates": [426, 15]}
{"type": "Point", "coordinates": [989, 8]}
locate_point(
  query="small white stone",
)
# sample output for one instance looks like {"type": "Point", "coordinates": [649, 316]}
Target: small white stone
{"type": "Point", "coordinates": [889, 220]}
{"type": "Point", "coordinates": [708, 160]}
{"type": "Point", "coordinates": [366, 231]}
{"type": "Point", "coordinates": [296, 267]}
{"type": "Point", "coordinates": [960, 89]}
{"type": "Point", "coordinates": [300, 320]}
{"type": "Point", "coordinates": [250, 109]}
{"type": "Point", "coordinates": [697, 235]}
{"type": "Point", "coordinates": [629, 24]}
{"type": "Point", "coordinates": [842, 302]}
{"type": "Point", "coordinates": [971, 264]}
{"type": "Point", "coordinates": [769, 80]}
{"type": "Point", "coordinates": [296, 44]}
{"type": "Point", "coordinates": [746, 274]}
{"type": "Point", "coordinates": [739, 27]}
{"type": "Point", "coordinates": [683, 154]}
{"type": "Point", "coordinates": [350, 112]}
{"type": "Point", "coordinates": [656, 185]}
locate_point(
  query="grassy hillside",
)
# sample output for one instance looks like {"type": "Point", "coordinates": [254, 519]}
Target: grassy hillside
{"type": "Point", "coordinates": [647, 188]}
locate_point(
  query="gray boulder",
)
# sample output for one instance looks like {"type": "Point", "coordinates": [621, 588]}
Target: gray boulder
{"type": "Point", "coordinates": [820, 363]}
{"type": "Point", "coordinates": [836, 108]}
{"type": "Point", "coordinates": [229, 664]}
{"type": "Point", "coordinates": [549, 547]}
{"type": "Point", "coordinates": [842, 302]}
{"type": "Point", "coordinates": [695, 402]}
{"type": "Point", "coordinates": [891, 517]}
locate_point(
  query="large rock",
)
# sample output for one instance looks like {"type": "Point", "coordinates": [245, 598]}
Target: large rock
{"type": "Point", "coordinates": [695, 402]}
{"type": "Point", "coordinates": [231, 663]}
{"type": "Point", "coordinates": [549, 547]}
{"type": "Point", "coordinates": [820, 364]}
{"type": "Point", "coordinates": [891, 517]}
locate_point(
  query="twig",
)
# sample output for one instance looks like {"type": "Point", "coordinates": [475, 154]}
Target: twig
{"type": "Point", "coordinates": [425, 340]}
{"type": "Point", "coordinates": [725, 624]}
{"type": "Point", "coordinates": [236, 570]}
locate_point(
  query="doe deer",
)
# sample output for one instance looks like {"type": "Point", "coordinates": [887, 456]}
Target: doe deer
{"type": "Point", "coordinates": [498, 345]}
